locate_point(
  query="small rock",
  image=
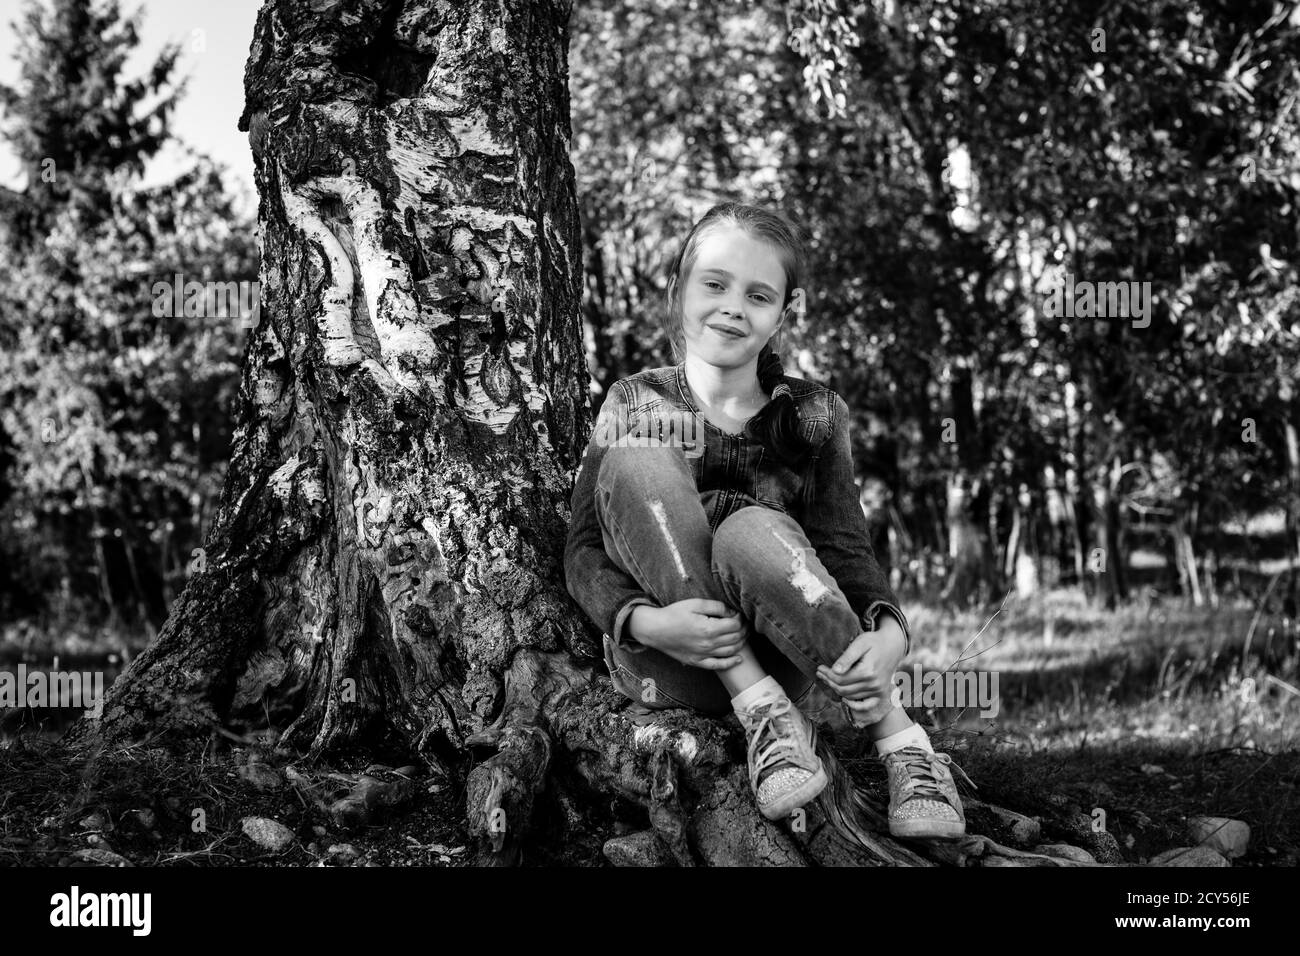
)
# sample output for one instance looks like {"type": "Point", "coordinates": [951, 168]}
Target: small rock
{"type": "Point", "coordinates": [370, 796]}
{"type": "Point", "coordinates": [98, 842]}
{"type": "Point", "coordinates": [1152, 769]}
{"type": "Point", "coordinates": [1105, 848]}
{"type": "Point", "coordinates": [95, 821]}
{"type": "Point", "coordinates": [1129, 840]}
{"type": "Point", "coordinates": [146, 818]}
{"type": "Point", "coordinates": [1002, 824]}
{"type": "Point", "coordinates": [268, 834]}
{"type": "Point", "coordinates": [318, 830]}
{"type": "Point", "coordinates": [1222, 834]}
{"type": "Point", "coordinates": [102, 858]}
{"type": "Point", "coordinates": [262, 776]}
{"type": "Point", "coordinates": [1099, 843]}
{"type": "Point", "coordinates": [1189, 856]}
{"type": "Point", "coordinates": [1064, 851]}
{"type": "Point", "coordinates": [343, 853]}
{"type": "Point", "coordinates": [447, 851]}
{"type": "Point", "coordinates": [642, 848]}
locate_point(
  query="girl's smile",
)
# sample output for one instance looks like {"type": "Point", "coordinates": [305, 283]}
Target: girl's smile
{"type": "Point", "coordinates": [727, 332]}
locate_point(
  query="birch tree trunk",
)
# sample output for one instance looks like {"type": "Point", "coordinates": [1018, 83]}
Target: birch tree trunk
{"type": "Point", "coordinates": [386, 564]}
{"type": "Point", "coordinates": [413, 400]}
{"type": "Point", "coordinates": [1287, 394]}
{"type": "Point", "coordinates": [974, 576]}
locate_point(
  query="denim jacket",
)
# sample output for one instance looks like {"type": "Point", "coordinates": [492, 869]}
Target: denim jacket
{"type": "Point", "coordinates": [731, 472]}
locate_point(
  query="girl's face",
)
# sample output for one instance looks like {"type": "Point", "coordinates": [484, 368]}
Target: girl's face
{"type": "Point", "coordinates": [731, 300]}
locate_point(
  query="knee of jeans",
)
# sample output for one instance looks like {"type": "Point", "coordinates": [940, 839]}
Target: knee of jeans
{"type": "Point", "coordinates": [739, 533]}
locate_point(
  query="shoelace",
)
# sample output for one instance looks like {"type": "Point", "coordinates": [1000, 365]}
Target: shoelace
{"type": "Point", "coordinates": [775, 718]}
{"type": "Point", "coordinates": [922, 777]}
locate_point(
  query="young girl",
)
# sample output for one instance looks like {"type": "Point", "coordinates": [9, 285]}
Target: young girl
{"type": "Point", "coordinates": [718, 541]}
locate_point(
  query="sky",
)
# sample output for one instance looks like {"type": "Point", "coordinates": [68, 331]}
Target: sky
{"type": "Point", "coordinates": [215, 36]}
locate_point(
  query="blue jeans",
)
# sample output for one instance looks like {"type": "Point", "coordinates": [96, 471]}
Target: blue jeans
{"type": "Point", "coordinates": [758, 562]}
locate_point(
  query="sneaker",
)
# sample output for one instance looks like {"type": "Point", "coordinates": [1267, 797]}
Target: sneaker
{"type": "Point", "coordinates": [923, 801]}
{"type": "Point", "coordinates": [784, 769]}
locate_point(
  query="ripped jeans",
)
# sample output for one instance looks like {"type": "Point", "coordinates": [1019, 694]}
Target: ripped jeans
{"type": "Point", "coordinates": [759, 563]}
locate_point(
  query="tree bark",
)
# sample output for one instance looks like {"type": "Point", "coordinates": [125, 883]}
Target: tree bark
{"type": "Point", "coordinates": [1108, 558]}
{"type": "Point", "coordinates": [1184, 554]}
{"type": "Point", "coordinates": [1290, 400]}
{"type": "Point", "coordinates": [974, 575]}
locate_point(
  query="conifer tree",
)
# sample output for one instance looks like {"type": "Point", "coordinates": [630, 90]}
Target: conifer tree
{"type": "Point", "coordinates": [73, 118]}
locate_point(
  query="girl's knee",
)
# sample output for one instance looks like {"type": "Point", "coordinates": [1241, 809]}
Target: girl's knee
{"type": "Point", "coordinates": [753, 531]}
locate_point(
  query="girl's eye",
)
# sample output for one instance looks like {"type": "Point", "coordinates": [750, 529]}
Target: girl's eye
{"type": "Point", "coordinates": [711, 284]}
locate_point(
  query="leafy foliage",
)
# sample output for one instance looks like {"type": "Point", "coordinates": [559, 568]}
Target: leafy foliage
{"type": "Point", "coordinates": [978, 153]}
{"type": "Point", "coordinates": [116, 421]}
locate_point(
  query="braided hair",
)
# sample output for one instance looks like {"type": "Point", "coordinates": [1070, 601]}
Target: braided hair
{"type": "Point", "coordinates": [777, 426]}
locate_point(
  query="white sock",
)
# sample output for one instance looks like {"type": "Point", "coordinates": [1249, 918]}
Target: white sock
{"type": "Point", "coordinates": [751, 695]}
{"type": "Point", "coordinates": [913, 736]}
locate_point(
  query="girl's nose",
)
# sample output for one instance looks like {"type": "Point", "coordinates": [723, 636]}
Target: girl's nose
{"type": "Point", "coordinates": [733, 308]}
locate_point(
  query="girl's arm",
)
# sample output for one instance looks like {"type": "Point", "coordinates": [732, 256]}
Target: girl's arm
{"type": "Point", "coordinates": [601, 588]}
{"type": "Point", "coordinates": [837, 529]}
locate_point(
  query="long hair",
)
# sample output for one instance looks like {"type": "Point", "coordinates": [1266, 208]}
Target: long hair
{"type": "Point", "coordinates": [777, 426]}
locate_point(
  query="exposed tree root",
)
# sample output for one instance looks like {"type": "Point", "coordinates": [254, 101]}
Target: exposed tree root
{"type": "Point", "coordinates": [688, 773]}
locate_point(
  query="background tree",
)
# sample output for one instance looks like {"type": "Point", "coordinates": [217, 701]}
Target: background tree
{"type": "Point", "coordinates": [73, 119]}
{"type": "Point", "coordinates": [114, 420]}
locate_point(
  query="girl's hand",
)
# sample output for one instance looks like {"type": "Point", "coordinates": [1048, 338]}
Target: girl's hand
{"type": "Point", "coordinates": [865, 671]}
{"type": "Point", "coordinates": [697, 631]}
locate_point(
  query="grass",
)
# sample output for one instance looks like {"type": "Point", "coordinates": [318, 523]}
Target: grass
{"type": "Point", "coordinates": [1090, 698]}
